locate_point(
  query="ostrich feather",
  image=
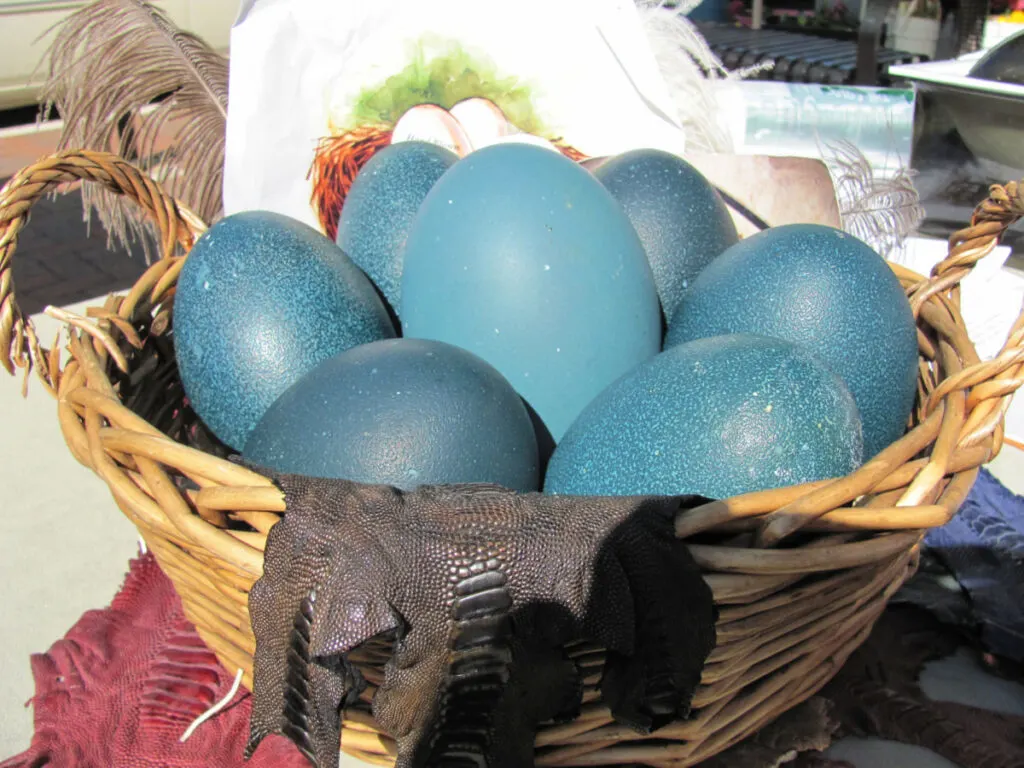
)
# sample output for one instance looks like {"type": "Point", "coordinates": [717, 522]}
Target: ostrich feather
{"type": "Point", "coordinates": [691, 71]}
{"type": "Point", "coordinates": [881, 212]}
{"type": "Point", "coordinates": [124, 79]}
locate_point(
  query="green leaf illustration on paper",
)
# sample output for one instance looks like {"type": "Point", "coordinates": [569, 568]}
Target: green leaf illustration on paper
{"type": "Point", "coordinates": [444, 80]}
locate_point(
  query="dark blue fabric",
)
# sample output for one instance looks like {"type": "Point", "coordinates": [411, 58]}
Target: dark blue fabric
{"type": "Point", "coordinates": [983, 547]}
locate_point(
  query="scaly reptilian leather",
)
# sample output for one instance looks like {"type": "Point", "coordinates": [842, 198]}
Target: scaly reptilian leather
{"type": "Point", "coordinates": [481, 589]}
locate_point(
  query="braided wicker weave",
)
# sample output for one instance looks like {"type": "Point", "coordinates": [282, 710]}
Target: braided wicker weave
{"type": "Point", "coordinates": [799, 573]}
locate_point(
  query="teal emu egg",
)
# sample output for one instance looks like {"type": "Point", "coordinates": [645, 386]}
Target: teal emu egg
{"type": "Point", "coordinates": [380, 207]}
{"type": "Point", "coordinates": [715, 417]}
{"type": "Point", "coordinates": [401, 412]}
{"type": "Point", "coordinates": [522, 257]}
{"type": "Point", "coordinates": [261, 300]}
{"type": "Point", "coordinates": [828, 291]}
{"type": "Point", "coordinates": [681, 219]}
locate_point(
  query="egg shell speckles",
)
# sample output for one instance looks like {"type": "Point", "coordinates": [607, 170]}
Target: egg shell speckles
{"type": "Point", "coordinates": [679, 216]}
{"type": "Point", "coordinates": [261, 300]}
{"type": "Point", "coordinates": [522, 257]}
{"type": "Point", "coordinates": [827, 291]}
{"type": "Point", "coordinates": [381, 205]}
{"type": "Point", "coordinates": [715, 417]}
{"type": "Point", "coordinates": [402, 412]}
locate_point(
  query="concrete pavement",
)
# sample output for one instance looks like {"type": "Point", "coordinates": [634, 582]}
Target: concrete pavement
{"type": "Point", "coordinates": [65, 545]}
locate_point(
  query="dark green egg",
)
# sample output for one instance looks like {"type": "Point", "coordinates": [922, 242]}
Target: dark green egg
{"type": "Point", "coordinates": [679, 216]}
{"type": "Point", "coordinates": [262, 300]}
{"type": "Point", "coordinates": [715, 417]}
{"type": "Point", "coordinates": [381, 205]}
{"type": "Point", "coordinates": [402, 412]}
{"type": "Point", "coordinates": [827, 291]}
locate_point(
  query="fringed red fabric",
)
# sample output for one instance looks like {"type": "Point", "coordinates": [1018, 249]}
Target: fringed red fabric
{"type": "Point", "coordinates": [124, 684]}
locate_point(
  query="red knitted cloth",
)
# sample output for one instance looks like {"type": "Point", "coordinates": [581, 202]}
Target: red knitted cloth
{"type": "Point", "coordinates": [124, 684]}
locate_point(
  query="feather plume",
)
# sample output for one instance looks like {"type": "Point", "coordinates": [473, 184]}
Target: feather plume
{"type": "Point", "coordinates": [124, 79]}
{"type": "Point", "coordinates": [691, 71]}
{"type": "Point", "coordinates": [881, 212]}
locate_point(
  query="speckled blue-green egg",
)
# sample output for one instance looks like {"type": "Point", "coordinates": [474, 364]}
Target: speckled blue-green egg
{"type": "Point", "coordinates": [715, 417]}
{"type": "Point", "coordinates": [679, 216]}
{"type": "Point", "coordinates": [262, 300]}
{"type": "Point", "coordinates": [828, 291]}
{"type": "Point", "coordinates": [522, 257]}
{"type": "Point", "coordinates": [380, 207]}
{"type": "Point", "coordinates": [401, 412]}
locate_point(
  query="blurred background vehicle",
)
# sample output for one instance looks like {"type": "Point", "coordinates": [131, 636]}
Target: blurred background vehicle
{"type": "Point", "coordinates": [26, 30]}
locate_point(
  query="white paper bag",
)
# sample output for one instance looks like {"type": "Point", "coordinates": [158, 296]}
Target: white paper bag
{"type": "Point", "coordinates": [304, 70]}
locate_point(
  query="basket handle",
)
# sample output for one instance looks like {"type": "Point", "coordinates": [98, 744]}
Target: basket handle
{"type": "Point", "coordinates": [1004, 374]}
{"type": "Point", "coordinates": [990, 220]}
{"type": "Point", "coordinates": [990, 384]}
{"type": "Point", "coordinates": [19, 345]}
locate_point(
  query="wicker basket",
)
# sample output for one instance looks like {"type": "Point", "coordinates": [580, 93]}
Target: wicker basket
{"type": "Point", "coordinates": [799, 574]}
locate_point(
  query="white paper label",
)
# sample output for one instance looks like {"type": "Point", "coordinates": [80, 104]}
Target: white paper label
{"type": "Point", "coordinates": [307, 70]}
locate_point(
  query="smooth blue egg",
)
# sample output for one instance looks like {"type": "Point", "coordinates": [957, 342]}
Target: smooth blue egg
{"type": "Point", "coordinates": [522, 257]}
{"type": "Point", "coordinates": [380, 207]}
{"type": "Point", "coordinates": [679, 216]}
{"type": "Point", "coordinates": [261, 300]}
{"type": "Point", "coordinates": [402, 412]}
{"type": "Point", "coordinates": [715, 417]}
{"type": "Point", "coordinates": [828, 291]}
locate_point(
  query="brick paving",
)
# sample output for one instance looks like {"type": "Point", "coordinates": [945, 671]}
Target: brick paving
{"type": "Point", "coordinates": [59, 260]}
